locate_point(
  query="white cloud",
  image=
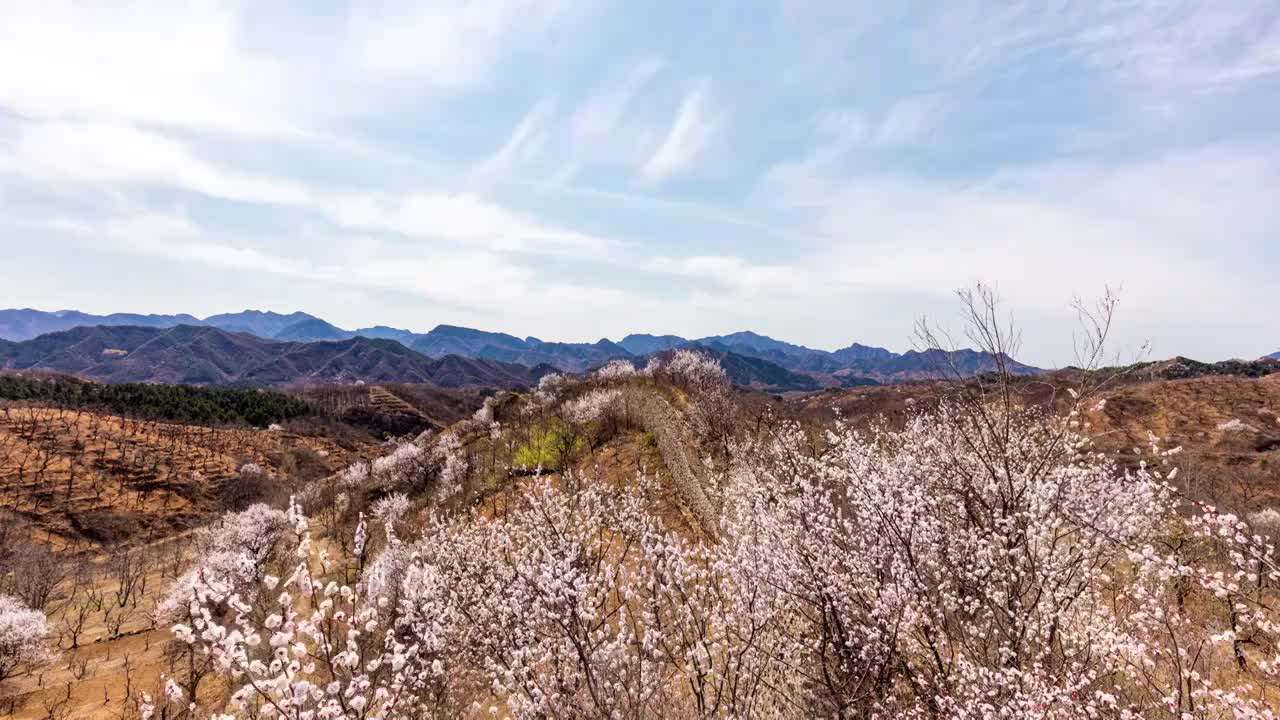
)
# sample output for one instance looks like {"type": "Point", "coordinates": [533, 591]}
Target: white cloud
{"type": "Point", "coordinates": [277, 71]}
{"type": "Point", "coordinates": [738, 276]}
{"type": "Point", "coordinates": [1182, 44]}
{"type": "Point", "coordinates": [527, 142]}
{"type": "Point", "coordinates": [845, 126]}
{"type": "Point", "coordinates": [843, 136]}
{"type": "Point", "coordinates": [177, 64]}
{"type": "Point", "coordinates": [109, 156]}
{"type": "Point", "coordinates": [1170, 230]}
{"type": "Point", "coordinates": [174, 236]}
{"type": "Point", "coordinates": [105, 154]}
{"type": "Point", "coordinates": [473, 279]}
{"type": "Point", "coordinates": [452, 44]}
{"type": "Point", "coordinates": [459, 217]}
{"type": "Point", "coordinates": [692, 131]}
{"type": "Point", "coordinates": [605, 130]}
{"type": "Point", "coordinates": [602, 113]}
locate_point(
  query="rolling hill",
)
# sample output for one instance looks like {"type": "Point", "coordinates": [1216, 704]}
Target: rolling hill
{"type": "Point", "coordinates": [198, 355]}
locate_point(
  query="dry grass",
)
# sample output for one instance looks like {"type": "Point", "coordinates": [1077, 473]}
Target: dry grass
{"type": "Point", "coordinates": [1227, 427]}
{"type": "Point", "coordinates": [86, 479]}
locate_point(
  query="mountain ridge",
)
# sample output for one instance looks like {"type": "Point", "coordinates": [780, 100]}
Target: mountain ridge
{"type": "Point", "coordinates": [203, 355]}
{"type": "Point", "coordinates": [855, 362]}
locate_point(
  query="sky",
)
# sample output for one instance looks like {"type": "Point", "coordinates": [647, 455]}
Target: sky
{"type": "Point", "coordinates": [824, 173]}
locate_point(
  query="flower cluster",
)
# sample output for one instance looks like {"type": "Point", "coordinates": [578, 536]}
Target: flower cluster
{"type": "Point", "coordinates": [391, 508]}
{"type": "Point", "coordinates": [397, 468]}
{"type": "Point", "coordinates": [697, 370]}
{"type": "Point", "coordinates": [455, 466]}
{"type": "Point", "coordinates": [307, 646]}
{"type": "Point", "coordinates": [616, 369]}
{"type": "Point", "coordinates": [23, 633]}
{"type": "Point", "coordinates": [591, 405]}
{"type": "Point", "coordinates": [549, 388]}
{"type": "Point", "coordinates": [233, 553]}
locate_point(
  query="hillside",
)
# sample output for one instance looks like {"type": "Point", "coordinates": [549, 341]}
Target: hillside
{"type": "Point", "coordinates": [1227, 424]}
{"type": "Point", "coordinates": [466, 342]}
{"type": "Point", "coordinates": [82, 477]}
{"type": "Point", "coordinates": [209, 356]}
{"type": "Point", "coordinates": [1179, 368]}
{"type": "Point", "coordinates": [642, 344]}
{"type": "Point", "coordinates": [172, 403]}
{"type": "Point", "coordinates": [606, 448]}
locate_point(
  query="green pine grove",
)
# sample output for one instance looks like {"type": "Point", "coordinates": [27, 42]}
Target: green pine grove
{"type": "Point", "coordinates": [166, 403]}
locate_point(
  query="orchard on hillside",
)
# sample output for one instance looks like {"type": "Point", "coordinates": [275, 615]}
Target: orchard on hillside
{"type": "Point", "coordinates": [981, 560]}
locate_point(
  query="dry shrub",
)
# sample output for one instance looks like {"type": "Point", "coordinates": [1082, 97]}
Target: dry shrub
{"type": "Point", "coordinates": [107, 526]}
{"type": "Point", "coordinates": [248, 486]}
{"type": "Point", "coordinates": [31, 572]}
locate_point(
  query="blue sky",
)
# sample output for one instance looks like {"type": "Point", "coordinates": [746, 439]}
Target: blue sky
{"type": "Point", "coordinates": [821, 172]}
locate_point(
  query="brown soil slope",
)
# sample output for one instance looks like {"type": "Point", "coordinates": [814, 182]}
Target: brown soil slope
{"type": "Point", "coordinates": [82, 477]}
{"type": "Point", "coordinates": [1228, 428]}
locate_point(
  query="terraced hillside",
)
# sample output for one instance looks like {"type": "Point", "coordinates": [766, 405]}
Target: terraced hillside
{"type": "Point", "coordinates": [85, 478]}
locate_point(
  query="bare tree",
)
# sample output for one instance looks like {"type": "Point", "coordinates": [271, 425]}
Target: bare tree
{"type": "Point", "coordinates": [128, 568]}
{"type": "Point", "coordinates": [36, 574]}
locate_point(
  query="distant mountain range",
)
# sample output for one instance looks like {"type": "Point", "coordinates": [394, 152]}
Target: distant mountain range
{"type": "Point", "coordinates": [751, 359]}
{"type": "Point", "coordinates": [196, 355]}
{"type": "Point", "coordinates": [1273, 356]}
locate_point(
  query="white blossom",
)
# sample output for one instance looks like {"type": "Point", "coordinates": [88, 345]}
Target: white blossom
{"type": "Point", "coordinates": [615, 369]}
{"type": "Point", "coordinates": [23, 634]}
{"type": "Point", "coordinates": [590, 406]}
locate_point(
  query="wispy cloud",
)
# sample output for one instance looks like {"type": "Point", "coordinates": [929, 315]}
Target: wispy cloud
{"type": "Point", "coordinates": [909, 121]}
{"type": "Point", "coordinates": [527, 142]}
{"type": "Point", "coordinates": [107, 154]}
{"type": "Point", "coordinates": [825, 170]}
{"type": "Point", "coordinates": [692, 131]}
{"type": "Point", "coordinates": [479, 280]}
{"type": "Point", "coordinates": [601, 113]}
{"type": "Point", "coordinates": [462, 218]}
{"type": "Point", "coordinates": [736, 275]}
{"type": "Point", "coordinates": [112, 156]}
